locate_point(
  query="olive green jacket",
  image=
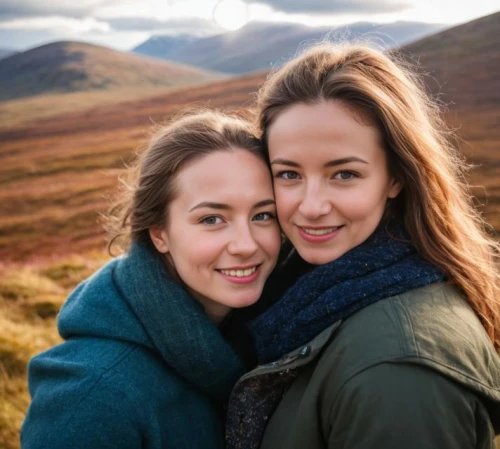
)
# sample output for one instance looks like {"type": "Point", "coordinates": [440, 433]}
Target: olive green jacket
{"type": "Point", "coordinates": [415, 370]}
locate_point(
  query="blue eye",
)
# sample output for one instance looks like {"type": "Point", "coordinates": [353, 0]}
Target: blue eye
{"type": "Point", "coordinates": [263, 216]}
{"type": "Point", "coordinates": [288, 174]}
{"type": "Point", "coordinates": [211, 220]}
{"type": "Point", "coordinates": [345, 175]}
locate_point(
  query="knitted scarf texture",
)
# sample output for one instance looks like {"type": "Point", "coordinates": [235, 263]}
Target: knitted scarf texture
{"type": "Point", "coordinates": [385, 265]}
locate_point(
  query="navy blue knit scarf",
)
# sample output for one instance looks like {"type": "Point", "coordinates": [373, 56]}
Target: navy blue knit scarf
{"type": "Point", "coordinates": [386, 264]}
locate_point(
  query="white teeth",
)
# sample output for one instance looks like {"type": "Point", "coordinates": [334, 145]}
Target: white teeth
{"type": "Point", "coordinates": [319, 231]}
{"type": "Point", "coordinates": [239, 273]}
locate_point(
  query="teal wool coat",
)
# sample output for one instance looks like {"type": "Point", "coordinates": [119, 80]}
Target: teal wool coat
{"type": "Point", "coordinates": [141, 366]}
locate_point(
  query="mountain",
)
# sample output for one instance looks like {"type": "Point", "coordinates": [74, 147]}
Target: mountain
{"type": "Point", "coordinates": [260, 46]}
{"type": "Point", "coordinates": [4, 52]}
{"type": "Point", "coordinates": [461, 67]}
{"type": "Point", "coordinates": [76, 66]}
{"type": "Point", "coordinates": [463, 63]}
{"type": "Point", "coordinates": [164, 46]}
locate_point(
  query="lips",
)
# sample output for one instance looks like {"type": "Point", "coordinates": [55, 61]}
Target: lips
{"type": "Point", "coordinates": [239, 272]}
{"type": "Point", "coordinates": [319, 231]}
{"type": "Point", "coordinates": [240, 275]}
{"type": "Point", "coordinates": [319, 234]}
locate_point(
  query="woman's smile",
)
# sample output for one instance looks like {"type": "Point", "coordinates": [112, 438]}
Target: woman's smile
{"type": "Point", "coordinates": [318, 235]}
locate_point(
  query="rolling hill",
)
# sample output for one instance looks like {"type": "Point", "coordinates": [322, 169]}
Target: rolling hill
{"type": "Point", "coordinates": [77, 67]}
{"type": "Point", "coordinates": [261, 46]}
{"type": "Point", "coordinates": [464, 62]}
{"type": "Point", "coordinates": [463, 66]}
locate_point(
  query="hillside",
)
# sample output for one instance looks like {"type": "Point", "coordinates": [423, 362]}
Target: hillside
{"type": "Point", "coordinates": [54, 173]}
{"type": "Point", "coordinates": [465, 63]}
{"type": "Point", "coordinates": [273, 43]}
{"type": "Point", "coordinates": [77, 67]}
{"type": "Point", "coordinates": [463, 66]}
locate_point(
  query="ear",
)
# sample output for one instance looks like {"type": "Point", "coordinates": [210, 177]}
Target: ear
{"type": "Point", "coordinates": [159, 238]}
{"type": "Point", "coordinates": [394, 188]}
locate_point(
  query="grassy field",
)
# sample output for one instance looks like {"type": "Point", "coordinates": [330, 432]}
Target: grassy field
{"type": "Point", "coordinates": [30, 298]}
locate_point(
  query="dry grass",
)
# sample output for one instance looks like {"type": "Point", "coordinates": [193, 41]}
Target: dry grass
{"type": "Point", "coordinates": [30, 298]}
{"type": "Point", "coordinates": [31, 109]}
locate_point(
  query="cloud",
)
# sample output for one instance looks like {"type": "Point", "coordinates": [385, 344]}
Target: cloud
{"type": "Point", "coordinates": [186, 25]}
{"type": "Point", "coordinates": [24, 39]}
{"type": "Point", "coordinates": [57, 25]}
{"type": "Point", "coordinates": [17, 9]}
{"type": "Point", "coordinates": [316, 7]}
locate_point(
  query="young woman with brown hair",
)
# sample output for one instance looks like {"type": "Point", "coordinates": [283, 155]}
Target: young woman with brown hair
{"type": "Point", "coordinates": [143, 364]}
{"type": "Point", "coordinates": [390, 336]}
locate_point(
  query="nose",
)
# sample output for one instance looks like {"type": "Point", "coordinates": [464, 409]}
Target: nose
{"type": "Point", "coordinates": [315, 201]}
{"type": "Point", "coordinates": [242, 242]}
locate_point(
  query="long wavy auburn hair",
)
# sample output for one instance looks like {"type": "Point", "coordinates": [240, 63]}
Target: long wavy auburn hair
{"type": "Point", "coordinates": [435, 204]}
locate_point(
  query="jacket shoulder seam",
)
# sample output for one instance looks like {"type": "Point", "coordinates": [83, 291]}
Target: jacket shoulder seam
{"type": "Point", "coordinates": [406, 337]}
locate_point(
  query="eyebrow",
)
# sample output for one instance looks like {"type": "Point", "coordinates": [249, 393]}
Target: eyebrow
{"type": "Point", "coordinates": [222, 206]}
{"type": "Point", "coordinates": [334, 163]}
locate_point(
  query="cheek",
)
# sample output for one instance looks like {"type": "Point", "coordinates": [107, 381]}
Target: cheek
{"type": "Point", "coordinates": [286, 201]}
{"type": "Point", "coordinates": [273, 241]}
{"type": "Point", "coordinates": [191, 250]}
{"type": "Point", "coordinates": [361, 204]}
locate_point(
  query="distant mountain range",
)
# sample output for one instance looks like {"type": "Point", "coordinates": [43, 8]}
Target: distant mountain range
{"type": "Point", "coordinates": [4, 52]}
{"type": "Point", "coordinates": [164, 47]}
{"type": "Point", "coordinates": [76, 67]}
{"type": "Point", "coordinates": [261, 46]}
{"type": "Point", "coordinates": [80, 67]}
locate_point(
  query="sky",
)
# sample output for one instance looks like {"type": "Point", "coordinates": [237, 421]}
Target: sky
{"type": "Point", "coordinates": [123, 24]}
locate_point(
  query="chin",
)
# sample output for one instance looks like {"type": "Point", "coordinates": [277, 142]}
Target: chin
{"type": "Point", "coordinates": [245, 300]}
{"type": "Point", "coordinates": [317, 257]}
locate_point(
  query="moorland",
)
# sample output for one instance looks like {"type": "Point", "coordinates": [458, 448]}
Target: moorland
{"type": "Point", "coordinates": [62, 154]}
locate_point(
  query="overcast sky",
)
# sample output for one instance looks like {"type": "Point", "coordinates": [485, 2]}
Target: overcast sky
{"type": "Point", "coordinates": [123, 24]}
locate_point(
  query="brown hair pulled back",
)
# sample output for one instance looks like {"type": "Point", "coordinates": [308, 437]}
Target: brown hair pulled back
{"type": "Point", "coordinates": [151, 185]}
{"type": "Point", "coordinates": [435, 205]}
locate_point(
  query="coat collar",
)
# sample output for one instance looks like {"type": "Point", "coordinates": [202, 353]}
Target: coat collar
{"type": "Point", "coordinates": [176, 323]}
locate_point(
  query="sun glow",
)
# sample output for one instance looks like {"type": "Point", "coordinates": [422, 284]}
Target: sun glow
{"type": "Point", "coordinates": [231, 14]}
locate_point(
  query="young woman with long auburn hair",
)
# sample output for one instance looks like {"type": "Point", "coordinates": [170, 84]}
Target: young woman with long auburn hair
{"type": "Point", "coordinates": [389, 337]}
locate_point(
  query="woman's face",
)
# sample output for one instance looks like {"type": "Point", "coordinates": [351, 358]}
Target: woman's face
{"type": "Point", "coordinates": [222, 236]}
{"type": "Point", "coordinates": [331, 179]}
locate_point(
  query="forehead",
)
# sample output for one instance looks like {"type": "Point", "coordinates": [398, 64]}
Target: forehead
{"type": "Point", "coordinates": [330, 125]}
{"type": "Point", "coordinates": [229, 176]}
